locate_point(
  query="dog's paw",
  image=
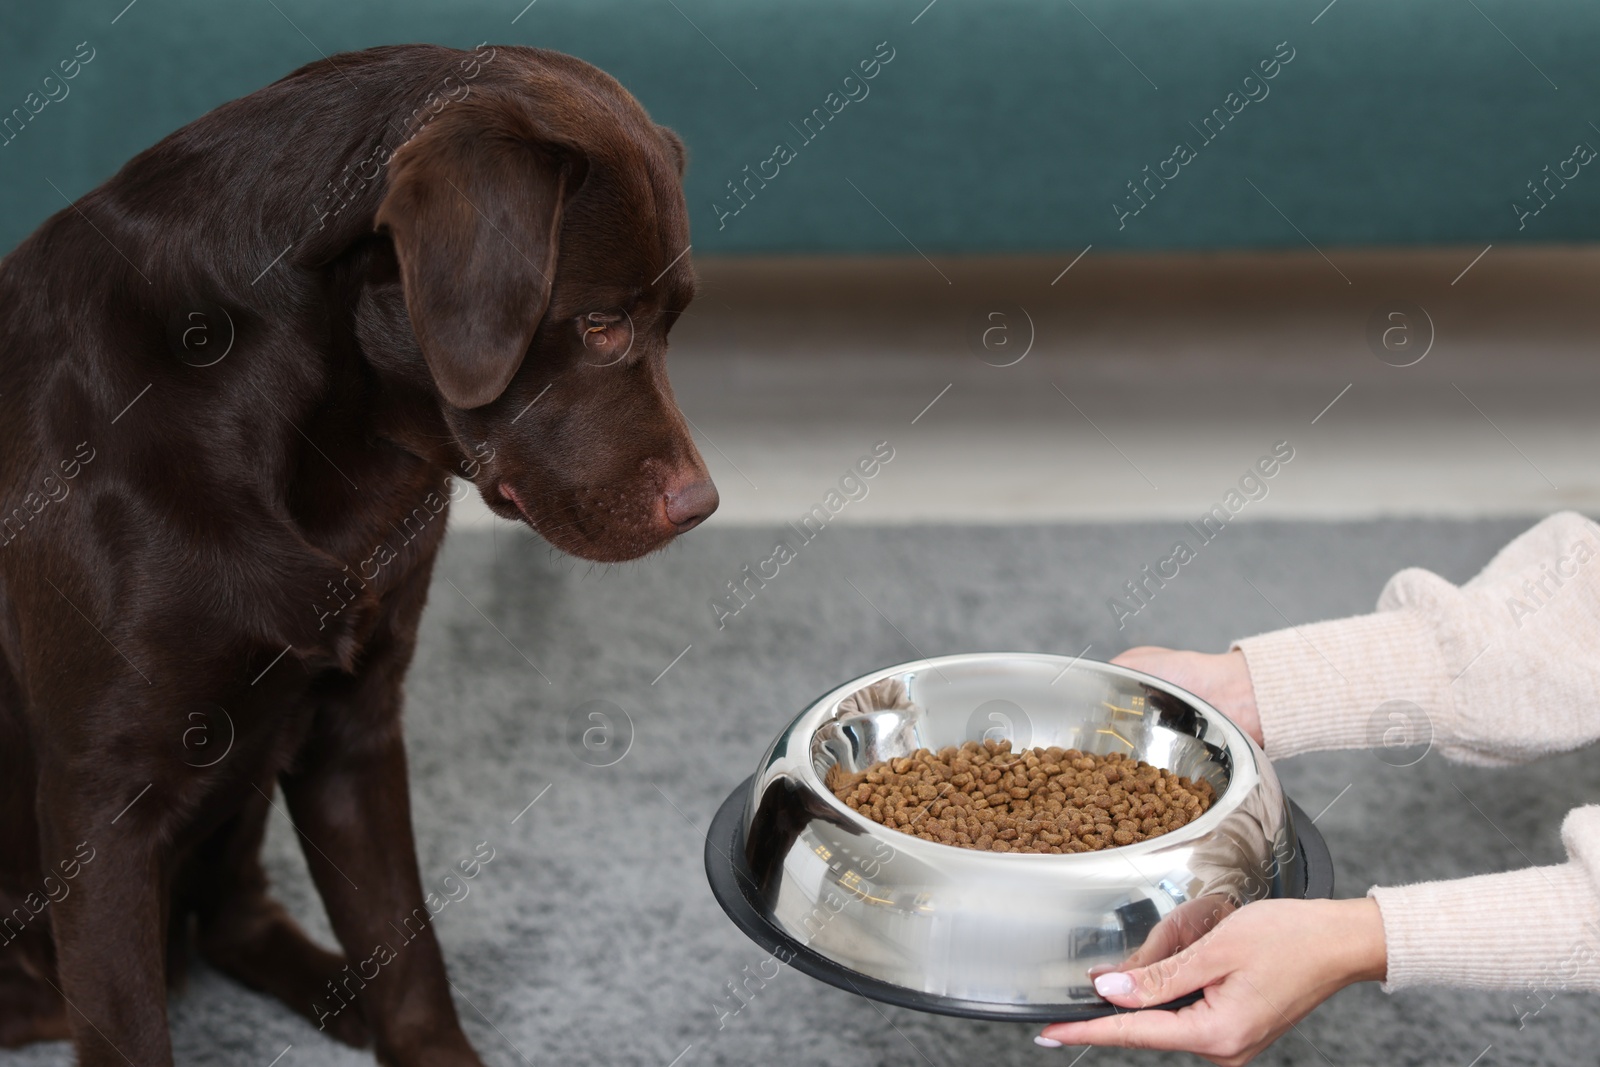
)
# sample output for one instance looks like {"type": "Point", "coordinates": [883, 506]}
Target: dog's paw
{"type": "Point", "coordinates": [256, 942]}
{"type": "Point", "coordinates": [448, 1050]}
{"type": "Point", "coordinates": [346, 1027]}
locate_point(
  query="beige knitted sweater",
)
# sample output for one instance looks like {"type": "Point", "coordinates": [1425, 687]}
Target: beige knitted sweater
{"type": "Point", "coordinates": [1505, 669]}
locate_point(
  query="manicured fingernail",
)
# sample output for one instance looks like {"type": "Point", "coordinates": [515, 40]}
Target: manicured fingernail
{"type": "Point", "coordinates": [1115, 984]}
{"type": "Point", "coordinates": [1047, 1042]}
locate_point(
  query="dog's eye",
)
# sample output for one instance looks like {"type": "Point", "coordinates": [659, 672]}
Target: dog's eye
{"type": "Point", "coordinates": [608, 335]}
{"type": "Point", "coordinates": [597, 322]}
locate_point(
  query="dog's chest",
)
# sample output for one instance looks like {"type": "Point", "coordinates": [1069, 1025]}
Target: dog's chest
{"type": "Point", "coordinates": [383, 533]}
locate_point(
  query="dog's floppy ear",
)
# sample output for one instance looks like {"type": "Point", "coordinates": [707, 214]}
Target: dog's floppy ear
{"type": "Point", "coordinates": [680, 154]}
{"type": "Point", "coordinates": [474, 217]}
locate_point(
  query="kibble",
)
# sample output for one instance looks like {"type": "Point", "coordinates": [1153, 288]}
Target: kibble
{"type": "Point", "coordinates": [1041, 800]}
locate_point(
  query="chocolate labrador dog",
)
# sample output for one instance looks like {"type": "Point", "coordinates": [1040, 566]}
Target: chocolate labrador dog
{"type": "Point", "coordinates": [235, 383]}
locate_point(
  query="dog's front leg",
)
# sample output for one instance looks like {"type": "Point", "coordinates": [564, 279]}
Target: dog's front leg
{"type": "Point", "coordinates": [349, 795]}
{"type": "Point", "coordinates": [351, 803]}
{"type": "Point", "coordinates": [109, 927]}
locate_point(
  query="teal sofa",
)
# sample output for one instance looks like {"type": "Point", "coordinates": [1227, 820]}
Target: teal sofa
{"type": "Point", "coordinates": [986, 126]}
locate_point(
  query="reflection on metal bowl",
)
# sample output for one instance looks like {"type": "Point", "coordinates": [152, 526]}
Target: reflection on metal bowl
{"type": "Point", "coordinates": [986, 934]}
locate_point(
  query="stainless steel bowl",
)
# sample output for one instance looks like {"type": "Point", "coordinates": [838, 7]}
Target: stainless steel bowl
{"type": "Point", "coordinates": [984, 934]}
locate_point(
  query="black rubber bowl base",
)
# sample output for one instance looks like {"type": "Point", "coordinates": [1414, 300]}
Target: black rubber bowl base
{"type": "Point", "coordinates": [730, 881]}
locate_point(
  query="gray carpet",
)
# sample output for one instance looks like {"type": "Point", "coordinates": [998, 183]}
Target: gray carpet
{"type": "Point", "coordinates": [591, 938]}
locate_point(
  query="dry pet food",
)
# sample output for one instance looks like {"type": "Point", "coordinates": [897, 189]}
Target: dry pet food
{"type": "Point", "coordinates": [984, 796]}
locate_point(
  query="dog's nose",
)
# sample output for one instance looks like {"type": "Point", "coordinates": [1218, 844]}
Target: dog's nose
{"type": "Point", "coordinates": [690, 505]}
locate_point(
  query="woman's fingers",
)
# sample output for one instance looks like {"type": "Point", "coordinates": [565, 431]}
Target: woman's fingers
{"type": "Point", "coordinates": [1166, 1030]}
{"type": "Point", "coordinates": [1188, 923]}
{"type": "Point", "coordinates": [1219, 1031]}
{"type": "Point", "coordinates": [1133, 657]}
{"type": "Point", "coordinates": [1223, 679]}
{"type": "Point", "coordinates": [1164, 980]}
{"type": "Point", "coordinates": [1263, 968]}
{"type": "Point", "coordinates": [1167, 938]}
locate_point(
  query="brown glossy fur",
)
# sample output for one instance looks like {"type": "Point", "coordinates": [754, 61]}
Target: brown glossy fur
{"type": "Point", "coordinates": [402, 264]}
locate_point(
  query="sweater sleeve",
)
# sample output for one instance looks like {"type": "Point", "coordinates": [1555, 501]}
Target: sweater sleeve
{"type": "Point", "coordinates": [1503, 669]}
{"type": "Point", "coordinates": [1536, 929]}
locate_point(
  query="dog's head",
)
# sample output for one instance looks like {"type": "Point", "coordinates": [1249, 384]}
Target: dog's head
{"type": "Point", "coordinates": [541, 238]}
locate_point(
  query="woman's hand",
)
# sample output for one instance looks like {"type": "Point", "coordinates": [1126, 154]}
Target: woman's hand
{"type": "Point", "coordinates": [1223, 681]}
{"type": "Point", "coordinates": [1263, 968]}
